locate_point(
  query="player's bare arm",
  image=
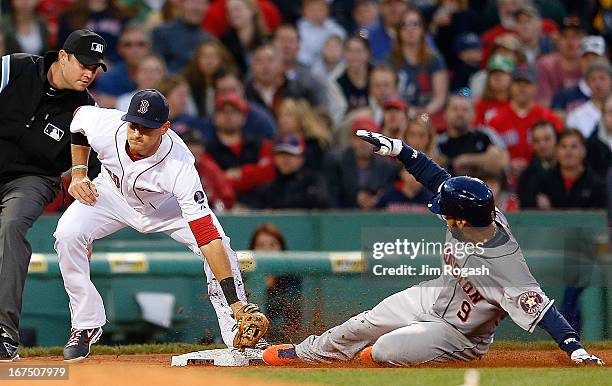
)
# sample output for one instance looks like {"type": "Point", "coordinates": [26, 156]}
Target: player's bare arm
{"type": "Point", "coordinates": [251, 323]}
{"type": "Point", "coordinates": [81, 187]}
{"type": "Point", "coordinates": [219, 263]}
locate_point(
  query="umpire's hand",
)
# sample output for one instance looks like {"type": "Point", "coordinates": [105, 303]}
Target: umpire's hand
{"type": "Point", "coordinates": [82, 189]}
{"type": "Point", "coordinates": [383, 145]}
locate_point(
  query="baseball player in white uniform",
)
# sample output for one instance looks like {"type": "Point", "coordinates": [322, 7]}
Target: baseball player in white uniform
{"type": "Point", "coordinates": [148, 182]}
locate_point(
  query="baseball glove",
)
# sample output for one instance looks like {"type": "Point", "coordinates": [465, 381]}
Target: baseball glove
{"type": "Point", "coordinates": [252, 325]}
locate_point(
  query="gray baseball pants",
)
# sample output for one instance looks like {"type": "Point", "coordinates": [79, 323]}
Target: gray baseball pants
{"type": "Point", "coordinates": [22, 201]}
{"type": "Point", "coordinates": [401, 331]}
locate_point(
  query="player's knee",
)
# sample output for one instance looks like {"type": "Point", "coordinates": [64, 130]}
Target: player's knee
{"type": "Point", "coordinates": [382, 349]}
{"type": "Point", "coordinates": [388, 349]}
{"type": "Point", "coordinates": [359, 326]}
{"type": "Point", "coordinates": [68, 232]}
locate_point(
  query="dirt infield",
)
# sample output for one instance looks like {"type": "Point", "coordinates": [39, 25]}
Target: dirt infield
{"type": "Point", "coordinates": [107, 370]}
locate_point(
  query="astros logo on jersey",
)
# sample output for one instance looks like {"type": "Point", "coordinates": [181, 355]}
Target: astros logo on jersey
{"type": "Point", "coordinates": [144, 106]}
{"type": "Point", "coordinates": [530, 302]}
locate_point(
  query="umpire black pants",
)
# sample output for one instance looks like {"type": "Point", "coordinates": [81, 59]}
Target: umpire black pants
{"type": "Point", "coordinates": [22, 201]}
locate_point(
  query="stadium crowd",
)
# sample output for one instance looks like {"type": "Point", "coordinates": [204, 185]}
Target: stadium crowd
{"type": "Point", "coordinates": [268, 93]}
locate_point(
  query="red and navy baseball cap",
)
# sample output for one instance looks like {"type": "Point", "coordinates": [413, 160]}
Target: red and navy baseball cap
{"type": "Point", "coordinates": [148, 108]}
{"type": "Point", "coordinates": [290, 144]}
{"type": "Point", "coordinates": [525, 72]}
{"type": "Point", "coordinates": [395, 103]}
{"type": "Point", "coordinates": [365, 122]}
{"type": "Point", "coordinates": [233, 100]}
{"type": "Point", "coordinates": [87, 46]}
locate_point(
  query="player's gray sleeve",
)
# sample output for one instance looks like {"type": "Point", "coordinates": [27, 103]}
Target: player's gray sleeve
{"type": "Point", "coordinates": [5, 71]}
{"type": "Point", "coordinates": [525, 305]}
{"type": "Point", "coordinates": [512, 286]}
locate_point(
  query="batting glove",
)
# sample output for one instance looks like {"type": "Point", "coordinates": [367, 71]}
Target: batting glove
{"type": "Point", "coordinates": [383, 145]}
{"type": "Point", "coordinates": [582, 357]}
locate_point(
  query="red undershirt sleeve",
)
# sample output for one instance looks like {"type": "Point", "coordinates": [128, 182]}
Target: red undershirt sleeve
{"type": "Point", "coordinates": [204, 230]}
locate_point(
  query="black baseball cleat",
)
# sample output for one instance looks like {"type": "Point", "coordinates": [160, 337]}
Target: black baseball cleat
{"type": "Point", "coordinates": [79, 344]}
{"type": "Point", "coordinates": [8, 347]}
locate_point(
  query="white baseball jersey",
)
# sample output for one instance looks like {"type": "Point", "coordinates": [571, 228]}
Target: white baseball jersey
{"type": "Point", "coordinates": [147, 183]}
{"type": "Point", "coordinates": [160, 193]}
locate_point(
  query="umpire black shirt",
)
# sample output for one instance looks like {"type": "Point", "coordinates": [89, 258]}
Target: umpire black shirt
{"type": "Point", "coordinates": [34, 118]}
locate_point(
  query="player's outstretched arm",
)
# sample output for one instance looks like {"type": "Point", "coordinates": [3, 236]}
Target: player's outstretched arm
{"type": "Point", "coordinates": [81, 188]}
{"type": "Point", "coordinates": [252, 324]}
{"type": "Point", "coordinates": [217, 259]}
{"type": "Point", "coordinates": [567, 338]}
{"type": "Point", "coordinates": [423, 168]}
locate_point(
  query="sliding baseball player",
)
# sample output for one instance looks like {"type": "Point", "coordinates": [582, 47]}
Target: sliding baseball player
{"type": "Point", "coordinates": [450, 318]}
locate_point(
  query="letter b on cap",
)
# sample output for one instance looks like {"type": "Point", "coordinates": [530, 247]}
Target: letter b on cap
{"type": "Point", "coordinates": [97, 47]}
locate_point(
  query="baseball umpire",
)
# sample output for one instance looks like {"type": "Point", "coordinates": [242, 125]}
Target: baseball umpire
{"type": "Point", "coordinates": [452, 317]}
{"type": "Point", "coordinates": [38, 96]}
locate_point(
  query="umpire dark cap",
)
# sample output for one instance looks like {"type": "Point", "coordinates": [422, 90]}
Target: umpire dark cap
{"type": "Point", "coordinates": [87, 46]}
{"type": "Point", "coordinates": [148, 108]}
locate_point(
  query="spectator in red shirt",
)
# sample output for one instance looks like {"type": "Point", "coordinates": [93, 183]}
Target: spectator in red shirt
{"type": "Point", "coordinates": [215, 21]}
{"type": "Point", "coordinates": [497, 89]}
{"type": "Point", "coordinates": [561, 69]}
{"type": "Point", "coordinates": [246, 161]}
{"type": "Point", "coordinates": [512, 122]}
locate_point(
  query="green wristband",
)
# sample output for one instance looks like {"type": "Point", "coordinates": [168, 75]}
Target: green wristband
{"type": "Point", "coordinates": [79, 166]}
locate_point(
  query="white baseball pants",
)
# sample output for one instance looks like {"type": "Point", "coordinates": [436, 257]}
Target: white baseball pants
{"type": "Point", "coordinates": [81, 224]}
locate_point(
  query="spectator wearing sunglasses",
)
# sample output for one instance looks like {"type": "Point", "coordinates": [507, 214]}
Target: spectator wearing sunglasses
{"type": "Point", "coordinates": [134, 46]}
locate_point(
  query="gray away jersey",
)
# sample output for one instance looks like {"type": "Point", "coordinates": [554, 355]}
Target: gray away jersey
{"type": "Point", "coordinates": [477, 303]}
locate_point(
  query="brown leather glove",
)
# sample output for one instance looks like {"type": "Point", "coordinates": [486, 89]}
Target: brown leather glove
{"type": "Point", "coordinates": [252, 326]}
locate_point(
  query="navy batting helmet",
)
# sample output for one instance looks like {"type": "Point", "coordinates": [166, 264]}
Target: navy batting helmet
{"type": "Point", "coordinates": [465, 198]}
